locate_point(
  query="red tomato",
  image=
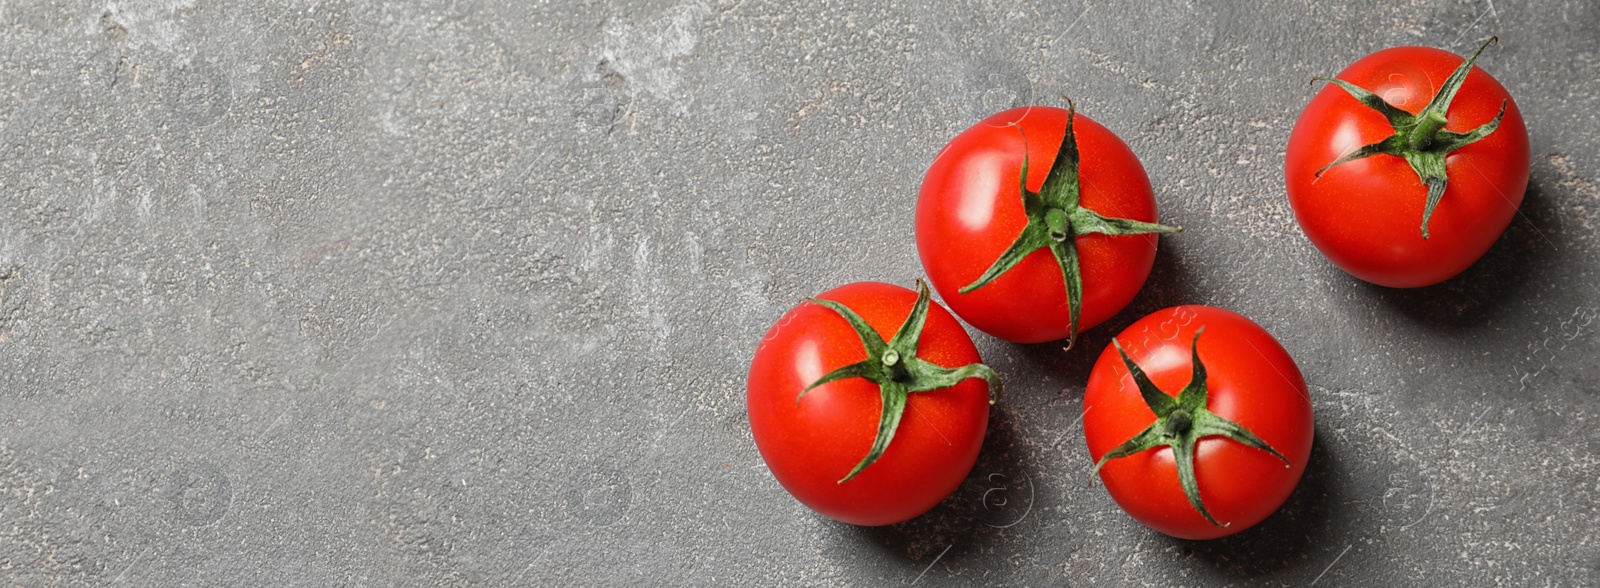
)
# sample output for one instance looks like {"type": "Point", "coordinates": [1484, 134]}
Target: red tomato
{"type": "Point", "coordinates": [1249, 380]}
{"type": "Point", "coordinates": [1365, 215]}
{"type": "Point", "coordinates": [971, 209]}
{"type": "Point", "coordinates": [810, 443]}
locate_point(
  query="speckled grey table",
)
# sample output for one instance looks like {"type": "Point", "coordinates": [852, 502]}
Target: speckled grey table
{"type": "Point", "coordinates": [460, 293]}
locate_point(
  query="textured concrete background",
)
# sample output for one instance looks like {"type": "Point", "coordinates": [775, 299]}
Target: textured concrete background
{"type": "Point", "coordinates": [460, 293]}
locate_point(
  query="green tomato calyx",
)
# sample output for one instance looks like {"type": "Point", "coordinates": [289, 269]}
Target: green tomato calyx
{"type": "Point", "coordinates": [893, 365]}
{"type": "Point", "coordinates": [1055, 220]}
{"type": "Point", "coordinates": [1421, 138]}
{"type": "Point", "coordinates": [1180, 424]}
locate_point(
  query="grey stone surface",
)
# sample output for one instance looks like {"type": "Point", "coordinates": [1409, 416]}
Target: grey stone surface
{"type": "Point", "coordinates": [463, 293]}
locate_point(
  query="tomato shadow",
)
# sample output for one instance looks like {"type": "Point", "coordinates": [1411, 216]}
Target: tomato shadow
{"type": "Point", "coordinates": [998, 497]}
{"type": "Point", "coordinates": [1519, 260]}
{"type": "Point", "coordinates": [1317, 510]}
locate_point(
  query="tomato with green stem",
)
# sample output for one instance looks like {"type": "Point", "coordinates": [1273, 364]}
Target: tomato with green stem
{"type": "Point", "coordinates": [1198, 421]}
{"type": "Point", "coordinates": [1408, 166]}
{"type": "Point", "coordinates": [869, 402]}
{"type": "Point", "coordinates": [1033, 253]}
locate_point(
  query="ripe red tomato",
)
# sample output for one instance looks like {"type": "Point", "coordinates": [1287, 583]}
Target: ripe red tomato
{"type": "Point", "coordinates": [972, 209]}
{"type": "Point", "coordinates": [1369, 215]}
{"type": "Point", "coordinates": [819, 445]}
{"type": "Point", "coordinates": [1248, 381]}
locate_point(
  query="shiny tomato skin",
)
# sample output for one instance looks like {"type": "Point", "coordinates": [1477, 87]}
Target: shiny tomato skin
{"type": "Point", "coordinates": [1252, 382]}
{"type": "Point", "coordinates": [969, 210]}
{"type": "Point", "coordinates": [1366, 215]}
{"type": "Point", "coordinates": [811, 444]}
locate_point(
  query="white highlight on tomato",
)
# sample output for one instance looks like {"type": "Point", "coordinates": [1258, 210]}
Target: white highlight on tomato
{"type": "Point", "coordinates": [808, 362]}
{"type": "Point", "coordinates": [984, 178]}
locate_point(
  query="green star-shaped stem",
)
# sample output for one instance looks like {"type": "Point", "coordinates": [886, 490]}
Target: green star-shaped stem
{"type": "Point", "coordinates": [1180, 423]}
{"type": "Point", "coordinates": [895, 368]}
{"type": "Point", "coordinates": [1421, 139]}
{"type": "Point", "coordinates": [1055, 220]}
